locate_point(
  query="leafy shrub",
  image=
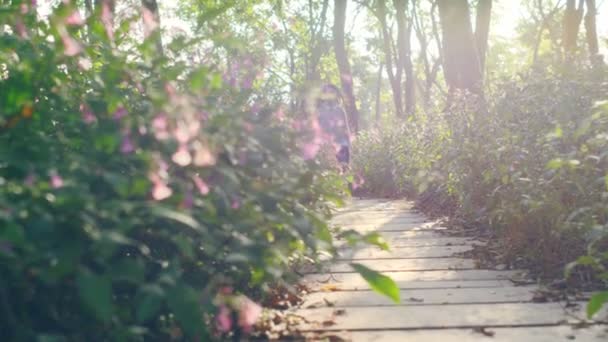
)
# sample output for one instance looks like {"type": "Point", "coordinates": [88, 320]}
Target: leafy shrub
{"type": "Point", "coordinates": [531, 168]}
{"type": "Point", "coordinates": [391, 159]}
{"type": "Point", "coordinates": [134, 188]}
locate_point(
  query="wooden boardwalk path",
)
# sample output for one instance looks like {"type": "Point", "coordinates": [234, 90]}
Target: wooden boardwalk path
{"type": "Point", "coordinates": [443, 297]}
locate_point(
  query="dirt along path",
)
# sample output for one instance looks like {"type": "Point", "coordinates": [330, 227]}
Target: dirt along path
{"type": "Point", "coordinates": [444, 297]}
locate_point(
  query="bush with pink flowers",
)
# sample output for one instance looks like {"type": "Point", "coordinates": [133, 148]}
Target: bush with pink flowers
{"type": "Point", "coordinates": [133, 190]}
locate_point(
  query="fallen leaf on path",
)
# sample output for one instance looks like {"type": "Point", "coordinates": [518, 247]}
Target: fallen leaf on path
{"type": "Point", "coordinates": [328, 303]}
{"type": "Point", "coordinates": [414, 299]}
{"type": "Point", "coordinates": [484, 331]}
{"type": "Point", "coordinates": [328, 323]}
{"type": "Point", "coordinates": [330, 288]}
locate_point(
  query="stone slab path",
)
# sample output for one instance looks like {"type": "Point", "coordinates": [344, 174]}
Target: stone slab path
{"type": "Point", "coordinates": [444, 297]}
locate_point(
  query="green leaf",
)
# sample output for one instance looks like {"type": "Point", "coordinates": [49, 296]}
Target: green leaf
{"type": "Point", "coordinates": [596, 302]}
{"type": "Point", "coordinates": [179, 217]}
{"type": "Point", "coordinates": [377, 240]}
{"type": "Point", "coordinates": [149, 303]}
{"type": "Point", "coordinates": [184, 302]}
{"type": "Point", "coordinates": [378, 282]}
{"type": "Point", "coordinates": [323, 234]}
{"type": "Point", "coordinates": [96, 292]}
{"type": "Point", "coordinates": [198, 78]}
{"type": "Point", "coordinates": [555, 164]}
{"type": "Point", "coordinates": [586, 260]}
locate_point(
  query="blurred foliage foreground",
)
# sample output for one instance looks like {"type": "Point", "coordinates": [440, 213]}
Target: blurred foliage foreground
{"type": "Point", "coordinates": [143, 198]}
{"type": "Point", "coordinates": [531, 168]}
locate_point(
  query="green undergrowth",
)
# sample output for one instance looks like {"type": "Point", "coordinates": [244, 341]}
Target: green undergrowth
{"type": "Point", "coordinates": [530, 167]}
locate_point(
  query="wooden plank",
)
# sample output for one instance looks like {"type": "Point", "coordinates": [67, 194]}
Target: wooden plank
{"type": "Point", "coordinates": [424, 240]}
{"type": "Point", "coordinates": [378, 213]}
{"type": "Point", "coordinates": [433, 316]}
{"type": "Point", "coordinates": [353, 281]}
{"type": "Point", "coordinates": [415, 285]}
{"type": "Point", "coordinates": [397, 227]}
{"type": "Point", "coordinates": [421, 297]}
{"type": "Point", "coordinates": [387, 265]}
{"type": "Point", "coordinates": [361, 218]}
{"type": "Point", "coordinates": [377, 204]}
{"type": "Point", "coordinates": [447, 241]}
{"type": "Point", "coordinates": [564, 333]}
{"type": "Point", "coordinates": [403, 252]}
{"type": "Point", "coordinates": [416, 234]}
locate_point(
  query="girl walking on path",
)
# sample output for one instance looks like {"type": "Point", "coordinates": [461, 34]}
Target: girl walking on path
{"type": "Point", "coordinates": [334, 123]}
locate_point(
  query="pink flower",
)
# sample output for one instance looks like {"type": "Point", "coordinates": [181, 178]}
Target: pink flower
{"type": "Point", "coordinates": [21, 29]}
{"type": "Point", "coordinates": [202, 187]}
{"type": "Point", "coordinates": [193, 128]}
{"type": "Point", "coordinates": [249, 313]}
{"type": "Point", "coordinates": [85, 64]}
{"type": "Point", "coordinates": [120, 113]}
{"type": "Point", "coordinates": [248, 127]}
{"type": "Point", "coordinates": [204, 157]}
{"type": "Point", "coordinates": [279, 114]}
{"type": "Point", "coordinates": [247, 83]}
{"type": "Point", "coordinates": [181, 134]}
{"type": "Point", "coordinates": [316, 129]}
{"type": "Point", "coordinates": [223, 320]}
{"type": "Point", "coordinates": [310, 149]}
{"type": "Point", "coordinates": [74, 19]}
{"type": "Point", "coordinates": [163, 167]}
{"type": "Point", "coordinates": [56, 180]}
{"type": "Point", "coordinates": [161, 191]}
{"type": "Point", "coordinates": [182, 156]}
{"type": "Point", "coordinates": [150, 23]}
{"type": "Point", "coordinates": [87, 115]}
{"type": "Point", "coordinates": [160, 125]}
{"type": "Point", "coordinates": [359, 181]}
{"type": "Point", "coordinates": [126, 146]}
{"type": "Point", "coordinates": [235, 204]}
{"type": "Point", "coordinates": [170, 89]}
{"type": "Point", "coordinates": [296, 125]}
{"type": "Point", "coordinates": [71, 46]}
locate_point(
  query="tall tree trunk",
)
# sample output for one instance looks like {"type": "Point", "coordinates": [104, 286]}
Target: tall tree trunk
{"type": "Point", "coordinates": [344, 65]}
{"type": "Point", "coordinates": [316, 35]}
{"type": "Point", "coordinates": [591, 30]}
{"type": "Point", "coordinates": [151, 18]}
{"type": "Point", "coordinates": [410, 95]}
{"type": "Point", "coordinates": [439, 46]}
{"type": "Point", "coordinates": [460, 58]}
{"type": "Point", "coordinates": [394, 77]}
{"type": "Point", "coordinates": [404, 31]}
{"type": "Point", "coordinates": [572, 22]}
{"type": "Point", "coordinates": [482, 30]}
{"type": "Point", "coordinates": [378, 94]}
